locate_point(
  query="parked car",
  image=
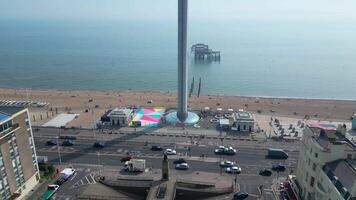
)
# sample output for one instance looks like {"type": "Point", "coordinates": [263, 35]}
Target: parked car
{"type": "Point", "coordinates": [99, 145]}
{"type": "Point", "coordinates": [240, 195]}
{"type": "Point", "coordinates": [52, 142]}
{"type": "Point", "coordinates": [179, 161]}
{"type": "Point", "coordinates": [68, 143]}
{"type": "Point", "coordinates": [279, 167]}
{"type": "Point", "coordinates": [265, 172]}
{"type": "Point", "coordinates": [127, 158]}
{"type": "Point", "coordinates": [226, 163]}
{"type": "Point", "coordinates": [233, 170]}
{"type": "Point", "coordinates": [65, 174]}
{"type": "Point", "coordinates": [182, 166]}
{"type": "Point", "coordinates": [156, 148]}
{"type": "Point", "coordinates": [170, 152]}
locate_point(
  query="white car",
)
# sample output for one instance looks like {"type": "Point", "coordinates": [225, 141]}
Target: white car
{"type": "Point", "coordinates": [170, 152]}
{"type": "Point", "coordinates": [226, 163]}
{"type": "Point", "coordinates": [182, 166]}
{"type": "Point", "coordinates": [233, 170]}
{"type": "Point", "coordinates": [196, 126]}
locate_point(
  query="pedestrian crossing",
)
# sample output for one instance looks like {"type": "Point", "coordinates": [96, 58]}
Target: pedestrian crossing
{"type": "Point", "coordinates": [86, 180]}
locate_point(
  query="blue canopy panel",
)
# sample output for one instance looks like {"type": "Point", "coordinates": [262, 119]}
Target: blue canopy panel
{"type": "Point", "coordinates": [3, 117]}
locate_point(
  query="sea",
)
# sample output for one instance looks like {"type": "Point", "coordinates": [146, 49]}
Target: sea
{"type": "Point", "coordinates": [280, 58]}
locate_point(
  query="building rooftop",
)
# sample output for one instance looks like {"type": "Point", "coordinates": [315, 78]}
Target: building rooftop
{"type": "Point", "coordinates": [328, 134]}
{"type": "Point", "coordinates": [323, 126]}
{"type": "Point", "coordinates": [243, 116]}
{"type": "Point", "coordinates": [7, 111]}
{"type": "Point", "coordinates": [342, 173]}
{"type": "Point", "coordinates": [120, 112]}
{"type": "Point", "coordinates": [10, 110]}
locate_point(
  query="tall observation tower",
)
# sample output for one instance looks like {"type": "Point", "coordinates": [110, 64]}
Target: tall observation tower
{"type": "Point", "coordinates": [182, 116]}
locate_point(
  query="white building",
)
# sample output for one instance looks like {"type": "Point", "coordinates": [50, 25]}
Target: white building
{"type": "Point", "coordinates": [120, 116]}
{"type": "Point", "coordinates": [243, 121]}
{"type": "Point", "coordinates": [326, 165]}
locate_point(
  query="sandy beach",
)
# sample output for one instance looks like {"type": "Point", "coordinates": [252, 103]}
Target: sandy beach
{"type": "Point", "coordinates": [91, 104]}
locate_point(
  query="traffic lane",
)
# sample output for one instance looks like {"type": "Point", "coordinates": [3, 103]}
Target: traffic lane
{"type": "Point", "coordinates": [250, 157]}
{"type": "Point", "coordinates": [48, 132]}
{"type": "Point", "coordinates": [112, 160]}
{"type": "Point", "coordinates": [165, 142]}
{"type": "Point", "coordinates": [156, 163]}
{"type": "Point", "coordinates": [135, 146]}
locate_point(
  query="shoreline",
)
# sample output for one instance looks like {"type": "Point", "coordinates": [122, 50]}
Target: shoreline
{"type": "Point", "coordinates": [174, 92]}
{"type": "Point", "coordinates": [78, 101]}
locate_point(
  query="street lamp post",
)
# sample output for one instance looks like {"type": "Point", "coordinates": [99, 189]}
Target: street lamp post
{"type": "Point", "coordinates": [59, 152]}
{"type": "Point", "coordinates": [99, 163]}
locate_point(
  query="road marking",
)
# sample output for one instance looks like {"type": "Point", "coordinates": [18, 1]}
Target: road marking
{"type": "Point", "coordinates": [75, 174]}
{"type": "Point", "coordinates": [86, 177]}
{"type": "Point", "coordinates": [92, 175]}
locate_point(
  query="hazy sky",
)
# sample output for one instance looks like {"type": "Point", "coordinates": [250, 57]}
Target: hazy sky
{"type": "Point", "coordinates": [166, 9]}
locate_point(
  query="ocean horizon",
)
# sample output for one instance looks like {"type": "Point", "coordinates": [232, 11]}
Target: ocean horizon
{"type": "Point", "coordinates": [292, 59]}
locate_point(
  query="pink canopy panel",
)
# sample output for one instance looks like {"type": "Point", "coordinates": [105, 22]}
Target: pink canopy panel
{"type": "Point", "coordinates": [148, 116]}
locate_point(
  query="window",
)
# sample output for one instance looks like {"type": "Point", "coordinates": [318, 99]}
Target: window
{"type": "Point", "coordinates": [310, 150]}
{"type": "Point", "coordinates": [306, 177]}
{"type": "Point", "coordinates": [309, 162]}
{"type": "Point", "coordinates": [349, 156]}
{"type": "Point", "coordinates": [309, 196]}
{"type": "Point", "coordinates": [314, 166]}
{"type": "Point", "coordinates": [316, 155]}
{"type": "Point", "coordinates": [312, 179]}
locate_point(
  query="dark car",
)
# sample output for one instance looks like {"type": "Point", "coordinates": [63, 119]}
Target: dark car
{"type": "Point", "coordinates": [265, 172]}
{"type": "Point", "coordinates": [52, 142]}
{"type": "Point", "coordinates": [68, 137]}
{"type": "Point", "coordinates": [179, 161]}
{"type": "Point", "coordinates": [99, 144]}
{"type": "Point", "coordinates": [68, 143]}
{"type": "Point", "coordinates": [127, 158]}
{"type": "Point", "coordinates": [240, 195]}
{"type": "Point", "coordinates": [156, 148]}
{"type": "Point", "coordinates": [60, 181]}
{"type": "Point", "coordinates": [279, 167]}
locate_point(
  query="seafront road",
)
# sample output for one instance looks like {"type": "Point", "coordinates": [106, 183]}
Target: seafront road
{"type": "Point", "coordinates": [251, 155]}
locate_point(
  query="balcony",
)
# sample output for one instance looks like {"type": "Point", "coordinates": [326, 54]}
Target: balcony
{"type": "Point", "coordinates": [335, 181]}
{"type": "Point", "coordinates": [9, 130]}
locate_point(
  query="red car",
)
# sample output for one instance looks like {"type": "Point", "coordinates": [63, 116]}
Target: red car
{"type": "Point", "coordinates": [127, 158]}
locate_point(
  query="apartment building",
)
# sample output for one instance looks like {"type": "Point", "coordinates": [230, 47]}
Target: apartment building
{"type": "Point", "coordinates": [19, 172]}
{"type": "Point", "coordinates": [327, 164]}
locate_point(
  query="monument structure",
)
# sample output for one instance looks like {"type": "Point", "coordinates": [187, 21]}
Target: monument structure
{"type": "Point", "coordinates": [165, 168]}
{"type": "Point", "coordinates": [182, 116]}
